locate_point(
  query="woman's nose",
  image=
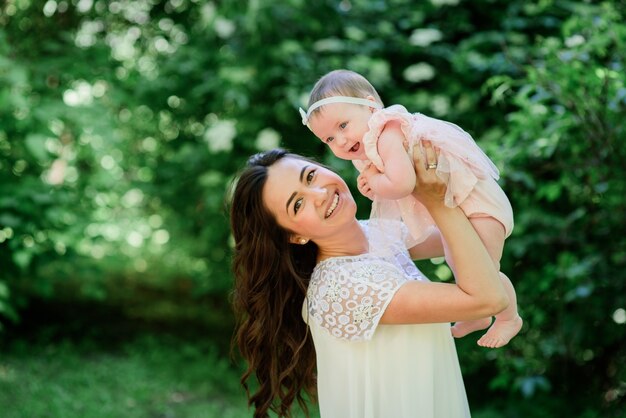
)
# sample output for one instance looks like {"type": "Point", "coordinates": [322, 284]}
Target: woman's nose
{"type": "Point", "coordinates": [319, 194]}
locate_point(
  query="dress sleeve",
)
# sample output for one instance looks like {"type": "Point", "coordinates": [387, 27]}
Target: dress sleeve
{"type": "Point", "coordinates": [348, 298]}
{"type": "Point", "coordinates": [388, 232]}
{"type": "Point", "coordinates": [377, 123]}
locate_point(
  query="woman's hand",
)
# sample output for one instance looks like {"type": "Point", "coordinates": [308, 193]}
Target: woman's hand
{"type": "Point", "coordinates": [429, 189]}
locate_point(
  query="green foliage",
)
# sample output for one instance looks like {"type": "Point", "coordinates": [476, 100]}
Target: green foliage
{"type": "Point", "coordinates": [123, 123]}
{"type": "Point", "coordinates": [565, 141]}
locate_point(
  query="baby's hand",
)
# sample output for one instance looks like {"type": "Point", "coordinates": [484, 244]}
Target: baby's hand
{"type": "Point", "coordinates": [363, 183]}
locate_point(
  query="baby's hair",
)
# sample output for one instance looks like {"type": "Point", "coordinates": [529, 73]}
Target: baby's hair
{"type": "Point", "coordinates": [342, 83]}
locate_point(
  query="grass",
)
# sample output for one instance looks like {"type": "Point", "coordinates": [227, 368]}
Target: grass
{"type": "Point", "coordinates": [75, 360]}
{"type": "Point", "coordinates": [148, 377]}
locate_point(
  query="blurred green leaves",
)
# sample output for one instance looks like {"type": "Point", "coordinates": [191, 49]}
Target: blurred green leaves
{"type": "Point", "coordinates": [123, 123]}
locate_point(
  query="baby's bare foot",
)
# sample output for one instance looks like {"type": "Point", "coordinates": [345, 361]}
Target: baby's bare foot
{"type": "Point", "coordinates": [501, 332]}
{"type": "Point", "coordinates": [462, 328]}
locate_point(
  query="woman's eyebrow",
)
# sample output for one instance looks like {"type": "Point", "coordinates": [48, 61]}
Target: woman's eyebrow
{"type": "Point", "coordinates": [302, 172]}
{"type": "Point", "coordinates": [294, 193]}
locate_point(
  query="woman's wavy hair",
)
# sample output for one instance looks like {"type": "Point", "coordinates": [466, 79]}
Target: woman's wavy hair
{"type": "Point", "coordinates": [271, 278]}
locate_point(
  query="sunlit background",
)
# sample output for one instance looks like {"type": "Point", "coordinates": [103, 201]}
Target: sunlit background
{"type": "Point", "coordinates": [122, 124]}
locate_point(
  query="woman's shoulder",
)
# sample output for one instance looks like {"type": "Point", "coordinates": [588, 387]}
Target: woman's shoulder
{"type": "Point", "coordinates": [347, 296]}
{"type": "Point", "coordinates": [382, 234]}
{"type": "Point", "coordinates": [342, 264]}
{"type": "Point", "coordinates": [363, 269]}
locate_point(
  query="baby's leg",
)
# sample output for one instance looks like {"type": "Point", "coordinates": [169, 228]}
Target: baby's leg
{"type": "Point", "coordinates": [508, 322]}
{"type": "Point", "coordinates": [462, 328]}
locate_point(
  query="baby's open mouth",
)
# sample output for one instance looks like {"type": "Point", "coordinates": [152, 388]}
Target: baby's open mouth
{"type": "Point", "coordinates": [356, 147]}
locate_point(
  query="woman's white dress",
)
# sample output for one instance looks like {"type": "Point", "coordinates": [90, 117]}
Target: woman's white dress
{"type": "Point", "coordinates": [367, 370]}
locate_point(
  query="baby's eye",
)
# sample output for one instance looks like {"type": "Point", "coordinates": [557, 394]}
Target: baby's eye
{"type": "Point", "coordinates": [297, 205]}
{"type": "Point", "coordinates": [329, 139]}
{"type": "Point", "coordinates": [309, 177]}
{"type": "Point", "coordinates": [343, 125]}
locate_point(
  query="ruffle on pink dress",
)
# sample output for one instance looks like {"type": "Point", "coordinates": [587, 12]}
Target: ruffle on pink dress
{"type": "Point", "coordinates": [461, 164]}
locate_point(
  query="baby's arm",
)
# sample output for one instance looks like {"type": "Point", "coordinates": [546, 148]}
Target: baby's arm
{"type": "Point", "coordinates": [431, 247]}
{"type": "Point", "coordinates": [398, 180]}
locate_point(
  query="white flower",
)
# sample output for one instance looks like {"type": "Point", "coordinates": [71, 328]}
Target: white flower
{"type": "Point", "coordinates": [267, 139]}
{"type": "Point", "coordinates": [220, 135]}
{"type": "Point", "coordinates": [425, 37]}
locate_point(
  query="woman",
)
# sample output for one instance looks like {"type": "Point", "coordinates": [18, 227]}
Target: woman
{"type": "Point", "coordinates": [378, 341]}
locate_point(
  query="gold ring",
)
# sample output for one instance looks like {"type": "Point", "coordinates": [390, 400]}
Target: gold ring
{"type": "Point", "coordinates": [432, 166]}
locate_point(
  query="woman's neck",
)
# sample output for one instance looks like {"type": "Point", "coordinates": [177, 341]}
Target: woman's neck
{"type": "Point", "coordinates": [349, 241]}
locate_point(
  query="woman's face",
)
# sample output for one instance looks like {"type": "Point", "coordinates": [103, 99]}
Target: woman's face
{"type": "Point", "coordinates": [307, 199]}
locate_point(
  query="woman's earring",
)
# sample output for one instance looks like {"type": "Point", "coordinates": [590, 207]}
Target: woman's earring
{"type": "Point", "coordinates": [303, 241]}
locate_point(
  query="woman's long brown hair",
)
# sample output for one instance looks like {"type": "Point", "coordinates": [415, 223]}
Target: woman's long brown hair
{"type": "Point", "coordinates": [271, 278]}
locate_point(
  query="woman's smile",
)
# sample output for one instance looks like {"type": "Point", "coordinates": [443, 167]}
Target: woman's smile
{"type": "Point", "coordinates": [333, 205]}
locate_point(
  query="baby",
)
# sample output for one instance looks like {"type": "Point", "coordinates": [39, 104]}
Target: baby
{"type": "Point", "coordinates": [347, 114]}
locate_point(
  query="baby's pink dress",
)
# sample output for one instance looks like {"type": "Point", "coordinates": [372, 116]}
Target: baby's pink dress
{"type": "Point", "coordinates": [470, 175]}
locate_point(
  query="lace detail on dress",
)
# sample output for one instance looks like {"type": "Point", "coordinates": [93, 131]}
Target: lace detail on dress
{"type": "Point", "coordinates": [348, 295]}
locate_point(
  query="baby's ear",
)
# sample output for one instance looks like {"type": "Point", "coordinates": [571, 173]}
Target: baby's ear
{"type": "Point", "coordinates": [370, 97]}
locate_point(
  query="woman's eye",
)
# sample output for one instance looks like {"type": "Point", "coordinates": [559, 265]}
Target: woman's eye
{"type": "Point", "coordinates": [297, 205]}
{"type": "Point", "coordinates": [309, 177]}
{"type": "Point", "coordinates": [343, 125]}
{"type": "Point", "coordinates": [329, 139]}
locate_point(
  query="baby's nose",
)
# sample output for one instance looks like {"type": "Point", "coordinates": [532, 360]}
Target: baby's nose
{"type": "Point", "coordinates": [341, 140]}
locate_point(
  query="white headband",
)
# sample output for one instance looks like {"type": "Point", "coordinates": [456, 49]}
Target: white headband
{"type": "Point", "coordinates": [336, 99]}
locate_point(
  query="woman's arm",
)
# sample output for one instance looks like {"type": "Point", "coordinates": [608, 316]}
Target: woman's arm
{"type": "Point", "coordinates": [478, 291]}
{"type": "Point", "coordinates": [398, 180]}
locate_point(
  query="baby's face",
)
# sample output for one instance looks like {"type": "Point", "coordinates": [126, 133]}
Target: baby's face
{"type": "Point", "coordinates": [341, 126]}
